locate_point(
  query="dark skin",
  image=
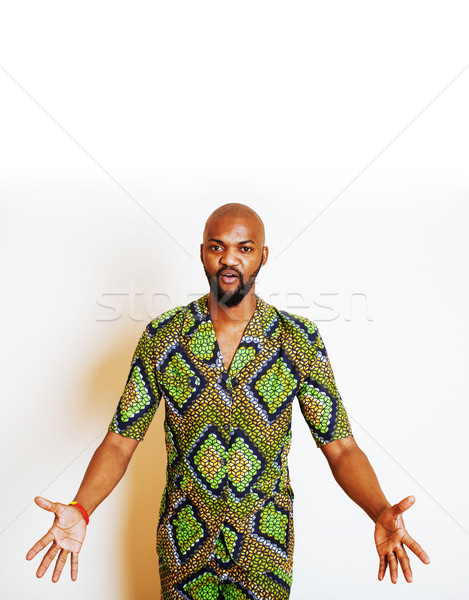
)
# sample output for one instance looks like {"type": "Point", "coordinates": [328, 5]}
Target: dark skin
{"type": "Point", "coordinates": [233, 241]}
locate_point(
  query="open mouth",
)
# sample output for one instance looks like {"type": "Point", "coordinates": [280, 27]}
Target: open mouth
{"type": "Point", "coordinates": [228, 277]}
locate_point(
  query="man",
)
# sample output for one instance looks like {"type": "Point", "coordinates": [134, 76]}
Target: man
{"type": "Point", "coordinates": [228, 366]}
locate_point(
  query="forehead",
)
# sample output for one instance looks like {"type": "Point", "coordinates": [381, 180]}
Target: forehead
{"type": "Point", "coordinates": [233, 229]}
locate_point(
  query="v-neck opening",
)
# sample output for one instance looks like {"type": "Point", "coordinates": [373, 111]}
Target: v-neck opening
{"type": "Point", "coordinates": [245, 332]}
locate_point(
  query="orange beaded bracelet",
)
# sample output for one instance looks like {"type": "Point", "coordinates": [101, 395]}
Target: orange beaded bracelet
{"type": "Point", "coordinates": [82, 510]}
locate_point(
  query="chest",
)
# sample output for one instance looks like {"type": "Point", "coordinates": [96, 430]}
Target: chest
{"type": "Point", "coordinates": [228, 342]}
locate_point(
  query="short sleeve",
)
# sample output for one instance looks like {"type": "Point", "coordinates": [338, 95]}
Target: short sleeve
{"type": "Point", "coordinates": [141, 395]}
{"type": "Point", "coordinates": [320, 400]}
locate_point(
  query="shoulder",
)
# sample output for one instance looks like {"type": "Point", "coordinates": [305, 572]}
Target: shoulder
{"type": "Point", "coordinates": [298, 325]}
{"type": "Point", "coordinates": [165, 322]}
{"type": "Point", "coordinates": [178, 320]}
{"type": "Point", "coordinates": [298, 329]}
{"type": "Point", "coordinates": [166, 318]}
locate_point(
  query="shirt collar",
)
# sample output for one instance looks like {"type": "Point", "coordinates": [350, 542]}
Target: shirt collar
{"type": "Point", "coordinates": [261, 330]}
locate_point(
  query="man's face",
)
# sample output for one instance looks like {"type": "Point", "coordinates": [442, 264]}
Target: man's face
{"type": "Point", "coordinates": [232, 254]}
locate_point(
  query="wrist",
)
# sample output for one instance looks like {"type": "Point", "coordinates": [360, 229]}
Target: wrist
{"type": "Point", "coordinates": [378, 511]}
{"type": "Point", "coordinates": [82, 509]}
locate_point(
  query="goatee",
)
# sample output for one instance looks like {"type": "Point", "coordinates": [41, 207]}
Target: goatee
{"type": "Point", "coordinates": [231, 298]}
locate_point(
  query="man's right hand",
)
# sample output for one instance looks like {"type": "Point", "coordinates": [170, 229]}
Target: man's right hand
{"type": "Point", "coordinates": [65, 536]}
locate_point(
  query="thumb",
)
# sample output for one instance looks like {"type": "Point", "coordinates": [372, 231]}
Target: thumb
{"type": "Point", "coordinates": [403, 505]}
{"type": "Point", "coordinates": [55, 507]}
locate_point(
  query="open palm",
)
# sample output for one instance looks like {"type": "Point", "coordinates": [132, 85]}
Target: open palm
{"type": "Point", "coordinates": [65, 536]}
{"type": "Point", "coordinates": [391, 536]}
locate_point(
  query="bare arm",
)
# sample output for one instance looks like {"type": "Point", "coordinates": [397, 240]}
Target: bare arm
{"type": "Point", "coordinates": [66, 536]}
{"type": "Point", "coordinates": [106, 469]}
{"type": "Point", "coordinates": [355, 475]}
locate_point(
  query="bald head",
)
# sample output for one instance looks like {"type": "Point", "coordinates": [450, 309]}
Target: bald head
{"type": "Point", "coordinates": [236, 213]}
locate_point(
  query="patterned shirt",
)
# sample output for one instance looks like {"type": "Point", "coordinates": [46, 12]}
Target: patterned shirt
{"type": "Point", "coordinates": [228, 432]}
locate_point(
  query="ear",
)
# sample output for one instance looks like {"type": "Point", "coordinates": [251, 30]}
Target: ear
{"type": "Point", "coordinates": [265, 254]}
{"type": "Point", "coordinates": [201, 252]}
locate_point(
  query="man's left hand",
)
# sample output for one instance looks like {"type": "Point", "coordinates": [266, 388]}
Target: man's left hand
{"type": "Point", "coordinates": [390, 538]}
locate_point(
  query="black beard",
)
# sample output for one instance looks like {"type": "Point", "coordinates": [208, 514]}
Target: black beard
{"type": "Point", "coordinates": [230, 299]}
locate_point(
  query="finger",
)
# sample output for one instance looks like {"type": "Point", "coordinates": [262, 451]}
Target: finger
{"type": "Point", "coordinates": [416, 548]}
{"type": "Point", "coordinates": [405, 563]}
{"type": "Point", "coordinates": [74, 561]}
{"type": "Point", "coordinates": [392, 562]}
{"type": "Point", "coordinates": [48, 558]}
{"type": "Point", "coordinates": [59, 565]}
{"type": "Point", "coordinates": [382, 567]}
{"type": "Point", "coordinates": [55, 507]}
{"type": "Point", "coordinates": [40, 545]}
{"type": "Point", "coordinates": [402, 506]}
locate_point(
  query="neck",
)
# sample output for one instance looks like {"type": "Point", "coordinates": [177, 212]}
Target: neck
{"type": "Point", "coordinates": [232, 315]}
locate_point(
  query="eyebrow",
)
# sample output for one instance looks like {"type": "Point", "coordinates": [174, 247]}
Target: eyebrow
{"type": "Point", "coordinates": [222, 242]}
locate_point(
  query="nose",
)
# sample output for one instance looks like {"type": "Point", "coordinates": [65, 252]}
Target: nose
{"type": "Point", "coordinates": [229, 257]}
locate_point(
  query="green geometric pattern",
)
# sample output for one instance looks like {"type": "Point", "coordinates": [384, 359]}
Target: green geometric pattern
{"type": "Point", "coordinates": [276, 385]}
{"type": "Point", "coordinates": [274, 524]}
{"type": "Point", "coordinates": [202, 343]}
{"type": "Point", "coordinates": [243, 465]}
{"type": "Point", "coordinates": [188, 529]}
{"type": "Point", "coordinates": [210, 460]}
{"type": "Point", "coordinates": [203, 587]}
{"type": "Point", "coordinates": [176, 378]}
{"type": "Point", "coordinates": [242, 357]}
{"type": "Point", "coordinates": [144, 398]}
{"type": "Point", "coordinates": [231, 539]}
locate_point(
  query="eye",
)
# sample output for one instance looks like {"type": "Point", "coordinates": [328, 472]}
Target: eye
{"type": "Point", "coordinates": [248, 248]}
{"type": "Point", "coordinates": [214, 247]}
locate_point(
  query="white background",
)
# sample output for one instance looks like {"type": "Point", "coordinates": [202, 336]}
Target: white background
{"type": "Point", "coordinates": [123, 125]}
